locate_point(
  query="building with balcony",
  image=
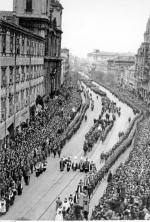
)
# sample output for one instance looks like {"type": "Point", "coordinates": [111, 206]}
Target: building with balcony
{"type": "Point", "coordinates": [21, 74]}
{"type": "Point", "coordinates": [64, 65]}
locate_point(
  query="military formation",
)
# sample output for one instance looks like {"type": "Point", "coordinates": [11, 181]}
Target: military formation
{"type": "Point", "coordinates": [84, 165]}
{"type": "Point", "coordinates": [76, 206]}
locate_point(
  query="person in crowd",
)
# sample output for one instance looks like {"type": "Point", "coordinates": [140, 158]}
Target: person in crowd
{"type": "Point", "coordinates": [68, 164]}
{"type": "Point", "coordinates": [58, 203]}
{"type": "Point", "coordinates": [62, 164]}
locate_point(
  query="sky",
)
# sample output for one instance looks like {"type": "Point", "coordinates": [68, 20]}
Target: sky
{"type": "Point", "coordinates": [107, 25]}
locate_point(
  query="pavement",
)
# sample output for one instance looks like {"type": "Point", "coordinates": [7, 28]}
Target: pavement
{"type": "Point", "coordinates": [38, 199]}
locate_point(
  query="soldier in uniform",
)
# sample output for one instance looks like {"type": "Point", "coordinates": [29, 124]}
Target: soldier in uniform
{"type": "Point", "coordinates": [75, 164]}
{"type": "Point", "coordinates": [86, 206]}
{"type": "Point", "coordinates": [91, 165]}
{"type": "Point", "coordinates": [80, 187]}
{"type": "Point", "coordinates": [62, 164]}
{"type": "Point", "coordinates": [86, 166]}
{"type": "Point", "coordinates": [81, 165]}
{"type": "Point", "coordinates": [44, 165]}
{"type": "Point", "coordinates": [68, 164]}
{"type": "Point", "coordinates": [2, 206]}
{"type": "Point", "coordinates": [37, 169]}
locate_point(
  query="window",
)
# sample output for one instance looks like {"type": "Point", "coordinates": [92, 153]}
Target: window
{"type": "Point", "coordinates": [17, 75]}
{"type": "Point", "coordinates": [11, 44]}
{"type": "Point", "coordinates": [22, 74]}
{"type": "Point", "coordinates": [28, 5]}
{"type": "Point", "coordinates": [3, 109]}
{"type": "Point", "coordinates": [10, 75]}
{"type": "Point", "coordinates": [28, 47]}
{"type": "Point", "coordinates": [22, 99]}
{"type": "Point", "coordinates": [11, 105]}
{"type": "Point", "coordinates": [18, 46]}
{"type": "Point", "coordinates": [27, 71]}
{"type": "Point", "coordinates": [17, 102]}
{"type": "Point", "coordinates": [23, 44]}
{"type": "Point", "coordinates": [4, 42]}
{"type": "Point", "coordinates": [3, 80]}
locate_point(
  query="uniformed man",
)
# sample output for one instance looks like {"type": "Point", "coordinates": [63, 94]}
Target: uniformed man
{"type": "Point", "coordinates": [68, 164]}
{"type": "Point", "coordinates": [91, 165]}
{"type": "Point", "coordinates": [37, 169]}
{"type": "Point", "coordinates": [80, 187]}
{"type": "Point", "coordinates": [86, 166]}
{"type": "Point", "coordinates": [75, 164]}
{"type": "Point", "coordinates": [71, 200]}
{"type": "Point", "coordinates": [86, 206]}
{"type": "Point", "coordinates": [2, 206]}
{"type": "Point", "coordinates": [81, 165]}
{"type": "Point", "coordinates": [44, 165]}
{"type": "Point", "coordinates": [62, 164]}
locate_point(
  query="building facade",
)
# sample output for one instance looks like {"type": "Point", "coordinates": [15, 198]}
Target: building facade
{"type": "Point", "coordinates": [21, 74]}
{"type": "Point", "coordinates": [44, 17]}
{"type": "Point", "coordinates": [119, 65]}
{"type": "Point", "coordinates": [143, 66]}
{"type": "Point", "coordinates": [65, 65]}
{"type": "Point", "coordinates": [128, 79]}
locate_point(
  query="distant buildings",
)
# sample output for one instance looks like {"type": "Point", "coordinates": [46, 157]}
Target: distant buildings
{"type": "Point", "coordinates": [106, 61]}
{"type": "Point", "coordinates": [30, 59]}
{"type": "Point", "coordinates": [119, 65]}
{"type": "Point", "coordinates": [64, 65]}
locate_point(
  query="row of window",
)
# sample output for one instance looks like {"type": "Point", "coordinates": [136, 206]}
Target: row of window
{"type": "Point", "coordinates": [24, 45]}
{"type": "Point", "coordinates": [23, 73]}
{"type": "Point", "coordinates": [22, 100]}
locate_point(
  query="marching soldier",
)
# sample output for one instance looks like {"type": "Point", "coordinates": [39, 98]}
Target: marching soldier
{"type": "Point", "coordinates": [62, 164]}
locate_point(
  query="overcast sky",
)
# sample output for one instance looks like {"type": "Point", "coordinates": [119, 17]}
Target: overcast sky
{"type": "Point", "coordinates": [107, 25]}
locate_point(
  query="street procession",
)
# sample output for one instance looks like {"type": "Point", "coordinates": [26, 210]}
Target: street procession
{"type": "Point", "coordinates": [74, 110]}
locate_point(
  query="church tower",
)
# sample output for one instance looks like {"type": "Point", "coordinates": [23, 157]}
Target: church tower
{"type": "Point", "coordinates": [43, 17]}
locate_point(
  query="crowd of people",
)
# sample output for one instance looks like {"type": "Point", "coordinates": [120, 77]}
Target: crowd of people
{"type": "Point", "coordinates": [102, 125]}
{"type": "Point", "coordinates": [128, 192]}
{"type": "Point", "coordinates": [76, 206]}
{"type": "Point", "coordinates": [28, 152]}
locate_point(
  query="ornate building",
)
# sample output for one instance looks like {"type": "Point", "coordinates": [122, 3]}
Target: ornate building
{"type": "Point", "coordinates": [30, 58]}
{"type": "Point", "coordinates": [143, 66]}
{"type": "Point", "coordinates": [43, 17]}
{"type": "Point", "coordinates": [65, 65]}
{"type": "Point", "coordinates": [21, 74]}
